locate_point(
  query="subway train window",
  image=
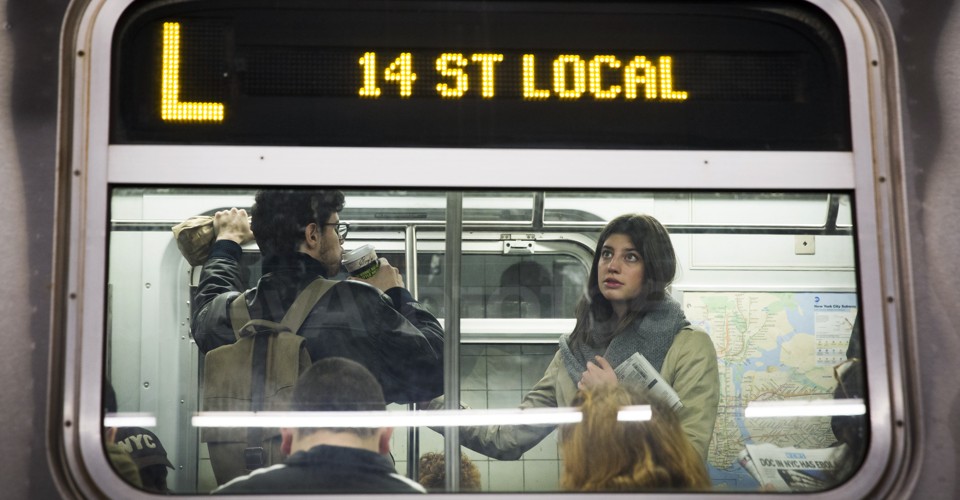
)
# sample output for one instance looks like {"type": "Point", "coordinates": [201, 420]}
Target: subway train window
{"type": "Point", "coordinates": [508, 286]}
{"type": "Point", "coordinates": [459, 246]}
{"type": "Point", "coordinates": [775, 304]}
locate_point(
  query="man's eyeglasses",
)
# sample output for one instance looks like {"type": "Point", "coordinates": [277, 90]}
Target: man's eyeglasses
{"type": "Point", "coordinates": [342, 228]}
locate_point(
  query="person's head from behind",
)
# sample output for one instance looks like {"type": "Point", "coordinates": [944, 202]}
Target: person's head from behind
{"type": "Point", "coordinates": [332, 385]}
{"type": "Point", "coordinates": [433, 473]}
{"type": "Point", "coordinates": [120, 460]}
{"type": "Point", "coordinates": [633, 265]}
{"type": "Point", "coordinates": [601, 453]}
{"type": "Point", "coordinates": [287, 221]}
{"type": "Point", "coordinates": [148, 453]}
{"type": "Point", "coordinates": [528, 286]}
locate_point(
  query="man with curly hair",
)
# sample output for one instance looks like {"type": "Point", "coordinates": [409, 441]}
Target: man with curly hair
{"type": "Point", "coordinates": [433, 473]}
{"type": "Point", "coordinates": [373, 321]}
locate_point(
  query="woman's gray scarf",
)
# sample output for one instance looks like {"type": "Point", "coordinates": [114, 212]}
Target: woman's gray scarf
{"type": "Point", "coordinates": [651, 335]}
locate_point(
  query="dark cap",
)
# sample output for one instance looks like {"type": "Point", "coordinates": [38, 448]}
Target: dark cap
{"type": "Point", "coordinates": [143, 446]}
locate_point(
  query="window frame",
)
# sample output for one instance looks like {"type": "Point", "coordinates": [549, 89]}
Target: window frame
{"type": "Point", "coordinates": [90, 165]}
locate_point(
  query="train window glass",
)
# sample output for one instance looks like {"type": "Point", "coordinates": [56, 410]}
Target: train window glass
{"type": "Point", "coordinates": [496, 376]}
{"type": "Point", "coordinates": [779, 304]}
{"type": "Point", "coordinates": [742, 127]}
{"type": "Point", "coordinates": [844, 212]}
{"type": "Point", "coordinates": [713, 209]}
{"type": "Point", "coordinates": [427, 206]}
{"type": "Point", "coordinates": [507, 286]}
{"type": "Point", "coordinates": [496, 286]}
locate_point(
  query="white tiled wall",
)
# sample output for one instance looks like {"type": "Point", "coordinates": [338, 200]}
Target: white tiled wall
{"type": "Point", "coordinates": [492, 376]}
{"type": "Point", "coordinates": [498, 376]}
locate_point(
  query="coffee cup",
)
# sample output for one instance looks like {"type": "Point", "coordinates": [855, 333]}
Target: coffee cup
{"type": "Point", "coordinates": [362, 262]}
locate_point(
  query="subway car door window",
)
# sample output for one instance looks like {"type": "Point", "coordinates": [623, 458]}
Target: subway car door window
{"type": "Point", "coordinates": [501, 247]}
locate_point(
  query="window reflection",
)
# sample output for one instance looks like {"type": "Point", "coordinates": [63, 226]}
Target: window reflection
{"type": "Point", "coordinates": [507, 286]}
{"type": "Point", "coordinates": [784, 322]}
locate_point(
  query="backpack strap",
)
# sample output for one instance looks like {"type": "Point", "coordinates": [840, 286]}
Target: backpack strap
{"type": "Point", "coordinates": [239, 314]}
{"type": "Point", "coordinates": [253, 455]}
{"type": "Point", "coordinates": [301, 308]}
{"type": "Point", "coordinates": [304, 303]}
{"type": "Point", "coordinates": [295, 316]}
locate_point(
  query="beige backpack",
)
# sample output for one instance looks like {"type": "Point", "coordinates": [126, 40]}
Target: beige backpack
{"type": "Point", "coordinates": [255, 373]}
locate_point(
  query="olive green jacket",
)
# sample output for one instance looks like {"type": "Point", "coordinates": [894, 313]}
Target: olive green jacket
{"type": "Point", "coordinates": [124, 464]}
{"type": "Point", "coordinates": [690, 367]}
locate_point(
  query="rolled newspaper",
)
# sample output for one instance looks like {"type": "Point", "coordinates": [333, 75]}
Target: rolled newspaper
{"type": "Point", "coordinates": [637, 368]}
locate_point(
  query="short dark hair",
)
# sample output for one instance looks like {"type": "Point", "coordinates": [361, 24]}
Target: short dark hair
{"type": "Point", "coordinates": [280, 216]}
{"type": "Point", "coordinates": [338, 384]}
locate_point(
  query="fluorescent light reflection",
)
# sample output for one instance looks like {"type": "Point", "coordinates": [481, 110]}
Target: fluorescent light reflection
{"type": "Point", "coordinates": [436, 418]}
{"type": "Point", "coordinates": [804, 408]}
{"type": "Point", "coordinates": [639, 413]}
{"type": "Point", "coordinates": [129, 420]}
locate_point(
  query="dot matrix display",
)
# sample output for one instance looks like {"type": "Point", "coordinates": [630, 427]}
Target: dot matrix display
{"type": "Point", "coordinates": [491, 74]}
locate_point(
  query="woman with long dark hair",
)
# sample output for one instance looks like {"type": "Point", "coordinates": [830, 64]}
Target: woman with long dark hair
{"type": "Point", "coordinates": [626, 309]}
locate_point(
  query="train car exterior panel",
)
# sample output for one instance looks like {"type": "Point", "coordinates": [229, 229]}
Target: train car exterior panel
{"type": "Point", "coordinates": [905, 128]}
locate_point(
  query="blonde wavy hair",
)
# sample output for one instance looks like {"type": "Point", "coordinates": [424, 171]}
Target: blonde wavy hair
{"type": "Point", "coordinates": [602, 454]}
{"type": "Point", "coordinates": [433, 473]}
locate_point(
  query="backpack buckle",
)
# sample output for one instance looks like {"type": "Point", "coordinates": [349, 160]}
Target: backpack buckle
{"type": "Point", "coordinates": [253, 457]}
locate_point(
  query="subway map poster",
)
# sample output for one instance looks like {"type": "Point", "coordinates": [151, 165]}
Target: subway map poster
{"type": "Point", "coordinates": [770, 346]}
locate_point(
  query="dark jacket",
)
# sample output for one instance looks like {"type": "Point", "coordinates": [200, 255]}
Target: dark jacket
{"type": "Point", "coordinates": [325, 469]}
{"type": "Point", "coordinates": [390, 334]}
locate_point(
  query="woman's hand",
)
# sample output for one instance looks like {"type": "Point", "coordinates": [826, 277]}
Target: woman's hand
{"type": "Point", "coordinates": [599, 372]}
{"type": "Point", "coordinates": [234, 225]}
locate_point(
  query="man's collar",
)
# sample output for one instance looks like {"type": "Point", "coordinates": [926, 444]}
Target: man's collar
{"type": "Point", "coordinates": [298, 263]}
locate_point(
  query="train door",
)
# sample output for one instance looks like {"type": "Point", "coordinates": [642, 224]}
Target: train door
{"type": "Point", "coordinates": [482, 148]}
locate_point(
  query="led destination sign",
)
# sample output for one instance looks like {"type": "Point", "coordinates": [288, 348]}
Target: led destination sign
{"type": "Point", "coordinates": [570, 76]}
{"type": "Point", "coordinates": [479, 75]}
